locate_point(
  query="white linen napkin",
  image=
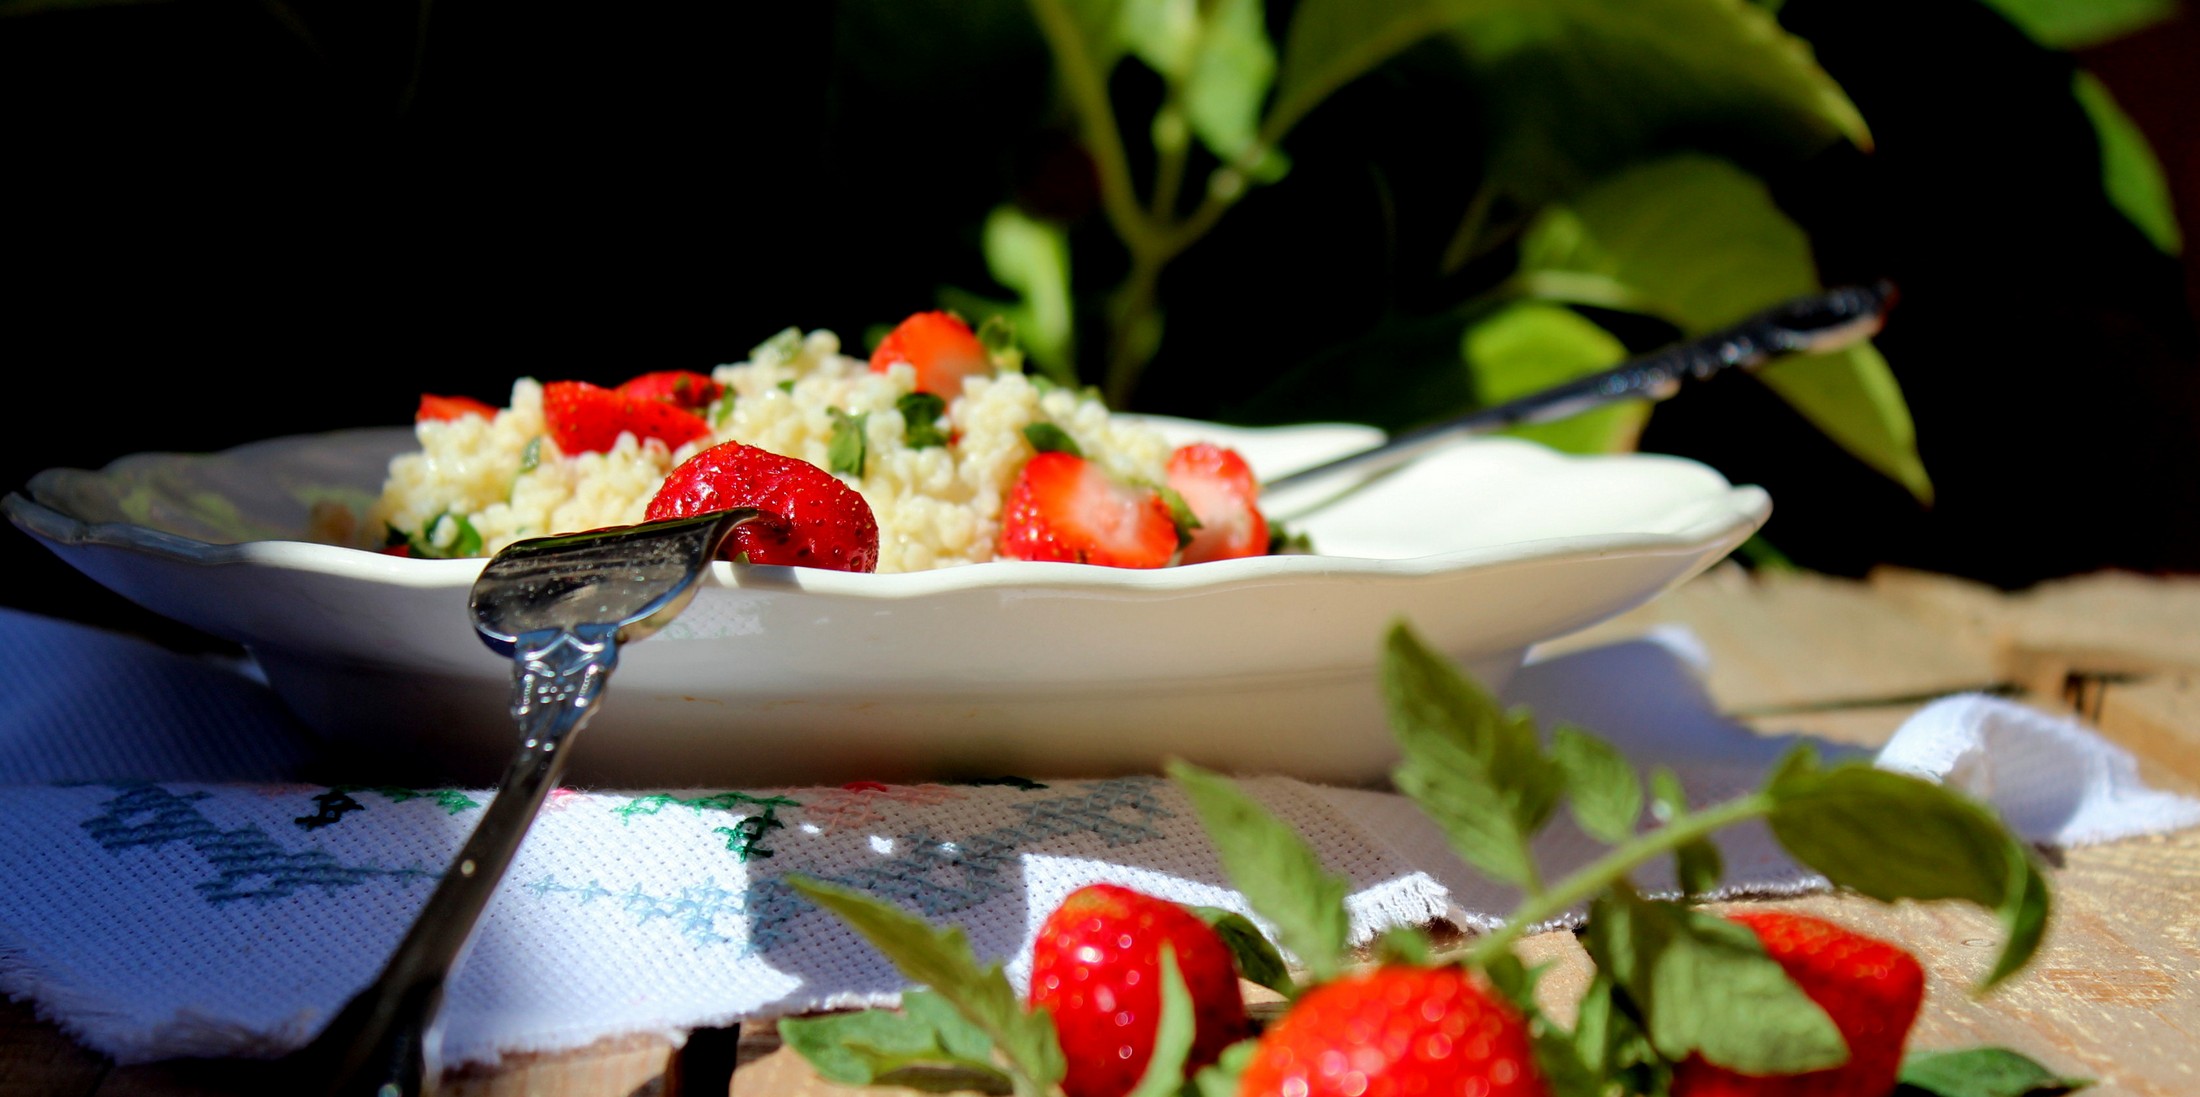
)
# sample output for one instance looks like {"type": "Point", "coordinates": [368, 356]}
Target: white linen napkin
{"type": "Point", "coordinates": [155, 911]}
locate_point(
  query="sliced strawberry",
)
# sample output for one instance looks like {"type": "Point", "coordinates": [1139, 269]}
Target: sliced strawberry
{"type": "Point", "coordinates": [810, 518]}
{"type": "Point", "coordinates": [446, 408]}
{"type": "Point", "coordinates": [941, 346]}
{"type": "Point", "coordinates": [1220, 488]}
{"type": "Point", "coordinates": [1064, 507]}
{"type": "Point", "coordinates": [587, 418]}
{"type": "Point", "coordinates": [678, 387]}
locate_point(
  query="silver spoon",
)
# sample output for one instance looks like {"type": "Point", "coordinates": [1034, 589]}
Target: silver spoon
{"type": "Point", "coordinates": [559, 607]}
{"type": "Point", "coordinates": [1813, 324]}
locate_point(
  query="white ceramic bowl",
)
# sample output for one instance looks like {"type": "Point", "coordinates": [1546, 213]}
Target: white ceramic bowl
{"type": "Point", "coordinates": [790, 675]}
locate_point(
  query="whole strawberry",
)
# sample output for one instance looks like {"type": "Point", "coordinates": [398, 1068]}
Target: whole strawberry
{"type": "Point", "coordinates": [1395, 1031]}
{"type": "Point", "coordinates": [1870, 988]}
{"type": "Point", "coordinates": [1096, 966]}
{"type": "Point", "coordinates": [810, 518]}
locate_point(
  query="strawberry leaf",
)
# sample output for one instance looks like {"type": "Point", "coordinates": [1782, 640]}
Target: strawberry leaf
{"type": "Point", "coordinates": [1893, 836]}
{"type": "Point", "coordinates": [1601, 787]}
{"type": "Point", "coordinates": [1404, 945]}
{"type": "Point", "coordinates": [1980, 1072]}
{"type": "Point", "coordinates": [1703, 984]}
{"type": "Point", "coordinates": [1697, 865]}
{"type": "Point", "coordinates": [1173, 1032]}
{"type": "Point", "coordinates": [1255, 956]}
{"type": "Point", "coordinates": [941, 959]}
{"type": "Point", "coordinates": [1273, 868]}
{"type": "Point", "coordinates": [1480, 773]}
{"type": "Point", "coordinates": [925, 1045]}
{"type": "Point", "coordinates": [1221, 1078]}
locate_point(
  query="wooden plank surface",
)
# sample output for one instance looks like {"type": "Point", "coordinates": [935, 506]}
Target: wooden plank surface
{"type": "Point", "coordinates": [2114, 995]}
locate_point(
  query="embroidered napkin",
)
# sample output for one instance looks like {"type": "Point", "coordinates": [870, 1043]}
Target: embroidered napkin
{"type": "Point", "coordinates": [169, 895]}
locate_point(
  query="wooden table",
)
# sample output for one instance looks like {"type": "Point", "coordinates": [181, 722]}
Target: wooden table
{"type": "Point", "coordinates": [2114, 994]}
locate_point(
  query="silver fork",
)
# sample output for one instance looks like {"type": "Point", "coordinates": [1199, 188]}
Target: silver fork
{"type": "Point", "coordinates": [559, 607]}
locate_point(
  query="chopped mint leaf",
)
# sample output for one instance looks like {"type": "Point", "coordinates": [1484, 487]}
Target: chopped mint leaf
{"type": "Point", "coordinates": [1255, 956]}
{"type": "Point", "coordinates": [920, 418]}
{"type": "Point", "coordinates": [848, 448]}
{"type": "Point", "coordinates": [1048, 438]}
{"type": "Point", "coordinates": [468, 541]}
{"type": "Point", "coordinates": [1180, 513]}
{"type": "Point", "coordinates": [721, 409]}
{"type": "Point", "coordinates": [782, 347]}
{"type": "Point", "coordinates": [1893, 836]}
{"type": "Point", "coordinates": [1600, 786]}
{"type": "Point", "coordinates": [530, 458]}
{"type": "Point", "coordinates": [1980, 1072]}
{"type": "Point", "coordinates": [786, 386]}
{"type": "Point", "coordinates": [924, 1045]}
{"type": "Point", "coordinates": [1283, 542]}
{"type": "Point", "coordinates": [1479, 772]}
{"type": "Point", "coordinates": [1703, 984]}
{"type": "Point", "coordinates": [941, 959]}
{"type": "Point", "coordinates": [998, 335]}
{"type": "Point", "coordinates": [1276, 871]}
{"type": "Point", "coordinates": [1173, 1031]}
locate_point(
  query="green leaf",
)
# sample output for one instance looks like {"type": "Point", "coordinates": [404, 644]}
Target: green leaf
{"type": "Point", "coordinates": [530, 458]}
{"type": "Point", "coordinates": [1031, 257]}
{"type": "Point", "coordinates": [920, 419]}
{"type": "Point", "coordinates": [1180, 513]}
{"type": "Point", "coordinates": [1530, 346]}
{"type": "Point", "coordinates": [1254, 954]}
{"type": "Point", "coordinates": [1048, 438]}
{"type": "Point", "coordinates": [1570, 91]}
{"type": "Point", "coordinates": [1406, 945]}
{"type": "Point", "coordinates": [1697, 865]}
{"type": "Point", "coordinates": [1276, 871]}
{"type": "Point", "coordinates": [925, 1045]}
{"type": "Point", "coordinates": [1227, 82]}
{"type": "Point", "coordinates": [1699, 243]}
{"type": "Point", "coordinates": [2076, 24]}
{"type": "Point", "coordinates": [1980, 1072]}
{"type": "Point", "coordinates": [1221, 1079]}
{"type": "Point", "coordinates": [1478, 772]}
{"type": "Point", "coordinates": [1173, 1032]}
{"type": "Point", "coordinates": [1704, 985]}
{"type": "Point", "coordinates": [783, 346]}
{"type": "Point", "coordinates": [941, 959]}
{"type": "Point", "coordinates": [1600, 784]}
{"type": "Point", "coordinates": [847, 449]}
{"type": "Point", "coordinates": [1851, 395]}
{"type": "Point", "coordinates": [1893, 836]}
{"type": "Point", "coordinates": [2130, 174]}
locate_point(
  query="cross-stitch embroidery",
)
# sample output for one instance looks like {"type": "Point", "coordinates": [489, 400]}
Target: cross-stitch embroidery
{"type": "Point", "coordinates": [247, 863]}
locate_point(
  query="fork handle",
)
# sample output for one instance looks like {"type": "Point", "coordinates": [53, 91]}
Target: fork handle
{"type": "Point", "coordinates": [382, 1038]}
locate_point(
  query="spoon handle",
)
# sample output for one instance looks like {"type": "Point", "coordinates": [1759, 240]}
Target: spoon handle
{"type": "Point", "coordinates": [1815, 324]}
{"type": "Point", "coordinates": [382, 1038]}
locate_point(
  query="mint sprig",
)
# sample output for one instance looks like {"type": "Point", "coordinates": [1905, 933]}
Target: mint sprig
{"type": "Point", "coordinates": [941, 959]}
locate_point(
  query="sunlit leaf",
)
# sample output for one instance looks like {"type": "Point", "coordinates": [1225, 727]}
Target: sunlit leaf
{"type": "Point", "coordinates": [1228, 82]}
{"type": "Point", "coordinates": [1697, 241]}
{"type": "Point", "coordinates": [1031, 257]}
{"type": "Point", "coordinates": [2075, 24]}
{"type": "Point", "coordinates": [2130, 174]}
{"type": "Point", "coordinates": [1531, 346]}
{"type": "Point", "coordinates": [1572, 90]}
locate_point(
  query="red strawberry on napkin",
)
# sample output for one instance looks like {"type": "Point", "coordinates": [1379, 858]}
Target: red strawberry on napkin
{"type": "Point", "coordinates": [1096, 967]}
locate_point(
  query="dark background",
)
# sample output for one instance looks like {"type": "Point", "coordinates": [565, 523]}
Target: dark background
{"type": "Point", "coordinates": [230, 220]}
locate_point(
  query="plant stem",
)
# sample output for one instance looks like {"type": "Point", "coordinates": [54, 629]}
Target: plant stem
{"type": "Point", "coordinates": [1088, 92]}
{"type": "Point", "coordinates": [1129, 343]}
{"type": "Point", "coordinates": [1615, 864]}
